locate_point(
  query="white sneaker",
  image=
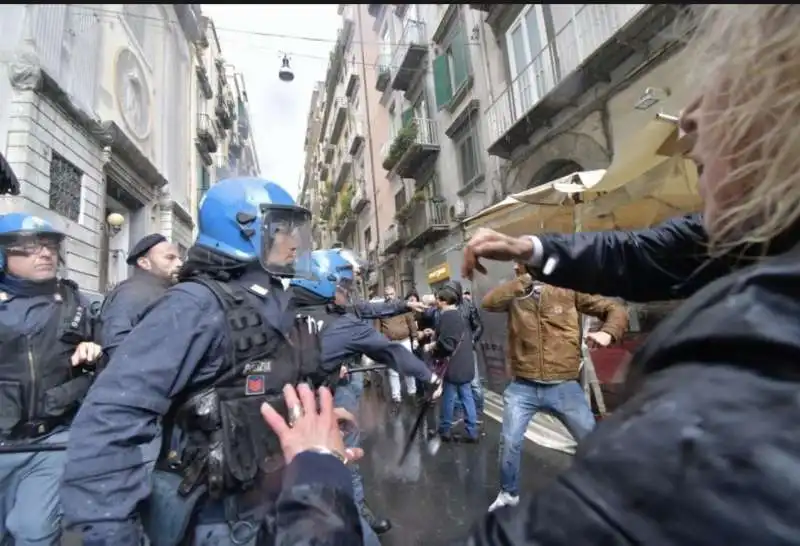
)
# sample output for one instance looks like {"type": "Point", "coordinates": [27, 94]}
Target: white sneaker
{"type": "Point", "coordinates": [504, 499]}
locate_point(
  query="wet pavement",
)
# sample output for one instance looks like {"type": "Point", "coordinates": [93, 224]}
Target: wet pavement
{"type": "Point", "coordinates": [433, 500]}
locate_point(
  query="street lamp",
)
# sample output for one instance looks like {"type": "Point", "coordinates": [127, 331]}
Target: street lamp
{"type": "Point", "coordinates": [114, 222]}
{"type": "Point", "coordinates": [285, 73]}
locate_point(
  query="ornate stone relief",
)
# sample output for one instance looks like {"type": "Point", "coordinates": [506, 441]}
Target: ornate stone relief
{"type": "Point", "coordinates": [133, 94]}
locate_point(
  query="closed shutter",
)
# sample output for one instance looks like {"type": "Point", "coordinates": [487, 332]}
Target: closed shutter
{"type": "Point", "coordinates": [458, 47]}
{"type": "Point", "coordinates": [441, 81]}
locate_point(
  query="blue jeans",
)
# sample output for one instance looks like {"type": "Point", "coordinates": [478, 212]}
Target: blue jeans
{"type": "Point", "coordinates": [521, 400]}
{"type": "Point", "coordinates": [477, 391]}
{"type": "Point", "coordinates": [30, 510]}
{"type": "Point", "coordinates": [463, 392]}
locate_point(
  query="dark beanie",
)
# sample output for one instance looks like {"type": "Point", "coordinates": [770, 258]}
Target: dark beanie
{"type": "Point", "coordinates": [143, 246]}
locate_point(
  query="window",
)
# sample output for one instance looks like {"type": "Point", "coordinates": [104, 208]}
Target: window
{"type": "Point", "coordinates": [368, 239]}
{"type": "Point", "coordinates": [399, 199]}
{"type": "Point", "coordinates": [451, 70]}
{"type": "Point", "coordinates": [468, 145]}
{"type": "Point", "coordinates": [203, 182]}
{"type": "Point", "coordinates": [65, 188]}
{"type": "Point", "coordinates": [386, 42]}
{"type": "Point", "coordinates": [532, 74]}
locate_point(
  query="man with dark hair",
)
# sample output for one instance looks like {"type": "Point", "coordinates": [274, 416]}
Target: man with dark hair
{"type": "Point", "coordinates": [452, 358]}
{"type": "Point", "coordinates": [544, 361]}
{"type": "Point", "coordinates": [472, 317]}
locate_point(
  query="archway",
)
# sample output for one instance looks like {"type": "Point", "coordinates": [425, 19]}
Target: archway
{"type": "Point", "coordinates": [553, 170]}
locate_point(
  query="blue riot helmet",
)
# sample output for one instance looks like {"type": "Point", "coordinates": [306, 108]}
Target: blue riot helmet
{"type": "Point", "coordinates": [252, 219]}
{"type": "Point", "coordinates": [25, 235]}
{"type": "Point", "coordinates": [334, 270]}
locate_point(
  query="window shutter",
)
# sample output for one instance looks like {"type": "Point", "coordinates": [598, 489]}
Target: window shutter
{"type": "Point", "coordinates": [460, 57]}
{"type": "Point", "coordinates": [407, 117]}
{"type": "Point", "coordinates": [441, 81]}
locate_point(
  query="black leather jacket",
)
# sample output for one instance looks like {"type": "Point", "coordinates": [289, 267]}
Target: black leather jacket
{"type": "Point", "coordinates": [473, 318]}
{"type": "Point", "coordinates": [703, 451]}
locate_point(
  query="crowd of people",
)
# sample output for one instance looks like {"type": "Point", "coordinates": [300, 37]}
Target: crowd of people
{"type": "Point", "coordinates": [214, 418]}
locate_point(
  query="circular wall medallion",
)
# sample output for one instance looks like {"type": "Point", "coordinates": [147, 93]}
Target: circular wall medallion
{"type": "Point", "coordinates": [133, 95]}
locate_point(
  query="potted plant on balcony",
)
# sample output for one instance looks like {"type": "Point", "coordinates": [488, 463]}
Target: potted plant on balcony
{"type": "Point", "coordinates": [403, 214]}
{"type": "Point", "coordinates": [401, 143]}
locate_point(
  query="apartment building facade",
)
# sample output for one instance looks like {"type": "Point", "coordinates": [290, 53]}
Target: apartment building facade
{"type": "Point", "coordinates": [224, 141]}
{"type": "Point", "coordinates": [95, 121]}
{"type": "Point", "coordinates": [571, 86]}
{"type": "Point", "coordinates": [468, 103]}
{"type": "Point", "coordinates": [339, 183]}
{"type": "Point", "coordinates": [432, 80]}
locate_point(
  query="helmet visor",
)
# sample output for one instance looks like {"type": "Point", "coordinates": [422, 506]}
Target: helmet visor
{"type": "Point", "coordinates": [286, 241]}
{"type": "Point", "coordinates": [30, 243]}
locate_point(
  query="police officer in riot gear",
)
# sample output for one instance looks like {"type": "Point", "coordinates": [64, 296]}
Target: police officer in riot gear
{"type": "Point", "coordinates": [326, 297]}
{"type": "Point", "coordinates": [45, 353]}
{"type": "Point", "coordinates": [206, 356]}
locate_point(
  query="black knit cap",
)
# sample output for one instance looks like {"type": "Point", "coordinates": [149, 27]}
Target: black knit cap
{"type": "Point", "coordinates": [143, 246]}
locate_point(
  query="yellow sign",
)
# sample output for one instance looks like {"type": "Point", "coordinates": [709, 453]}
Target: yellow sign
{"type": "Point", "coordinates": [439, 273]}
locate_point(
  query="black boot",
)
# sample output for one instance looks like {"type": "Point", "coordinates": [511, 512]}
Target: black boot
{"type": "Point", "coordinates": [378, 525]}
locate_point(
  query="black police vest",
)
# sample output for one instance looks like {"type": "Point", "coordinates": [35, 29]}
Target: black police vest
{"type": "Point", "coordinates": [39, 388]}
{"type": "Point", "coordinates": [228, 441]}
{"type": "Point", "coordinates": [326, 315]}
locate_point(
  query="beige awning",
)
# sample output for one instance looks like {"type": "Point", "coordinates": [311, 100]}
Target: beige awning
{"type": "Point", "coordinates": [517, 205]}
{"type": "Point", "coordinates": [649, 181]}
{"type": "Point", "coordinates": [655, 143]}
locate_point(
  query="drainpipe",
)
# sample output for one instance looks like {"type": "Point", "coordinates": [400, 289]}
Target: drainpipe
{"type": "Point", "coordinates": [369, 139]}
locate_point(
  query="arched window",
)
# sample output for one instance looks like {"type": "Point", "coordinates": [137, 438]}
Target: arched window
{"type": "Point", "coordinates": [553, 170]}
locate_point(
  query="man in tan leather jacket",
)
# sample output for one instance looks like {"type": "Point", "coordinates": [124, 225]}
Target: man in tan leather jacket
{"type": "Point", "coordinates": [543, 361]}
{"type": "Point", "coordinates": [402, 329]}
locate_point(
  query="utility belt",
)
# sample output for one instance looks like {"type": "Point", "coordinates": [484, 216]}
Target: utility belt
{"type": "Point", "coordinates": [57, 407]}
{"type": "Point", "coordinates": [32, 430]}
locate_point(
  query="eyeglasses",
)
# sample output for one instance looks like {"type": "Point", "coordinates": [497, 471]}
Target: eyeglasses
{"type": "Point", "coordinates": [32, 246]}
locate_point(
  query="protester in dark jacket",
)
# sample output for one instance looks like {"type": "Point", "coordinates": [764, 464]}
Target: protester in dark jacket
{"type": "Point", "coordinates": [453, 350]}
{"type": "Point", "coordinates": [707, 433]}
{"type": "Point", "coordinates": [665, 262]}
{"type": "Point", "coordinates": [156, 262]}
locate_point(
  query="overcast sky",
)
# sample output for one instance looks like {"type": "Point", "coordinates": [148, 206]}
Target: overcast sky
{"type": "Point", "coordinates": [278, 109]}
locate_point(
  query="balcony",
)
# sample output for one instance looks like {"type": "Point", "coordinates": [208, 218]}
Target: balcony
{"type": "Point", "coordinates": [328, 152]}
{"type": "Point", "coordinates": [202, 79]}
{"type": "Point", "coordinates": [359, 200]}
{"type": "Point", "coordinates": [339, 117]}
{"type": "Point", "coordinates": [207, 133]}
{"type": "Point", "coordinates": [409, 55]}
{"type": "Point", "coordinates": [427, 220]}
{"type": "Point", "coordinates": [413, 146]}
{"type": "Point", "coordinates": [223, 113]}
{"type": "Point", "coordinates": [342, 171]}
{"type": "Point", "coordinates": [352, 83]}
{"type": "Point", "coordinates": [356, 139]}
{"type": "Point", "coordinates": [592, 45]}
{"type": "Point", "coordinates": [235, 146]}
{"type": "Point", "coordinates": [347, 223]}
{"type": "Point", "coordinates": [324, 170]}
{"type": "Point", "coordinates": [392, 240]}
{"type": "Point", "coordinates": [383, 65]}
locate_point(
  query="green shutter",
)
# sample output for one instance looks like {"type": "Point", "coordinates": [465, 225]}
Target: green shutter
{"type": "Point", "coordinates": [441, 81]}
{"type": "Point", "coordinates": [458, 47]}
{"type": "Point", "coordinates": [407, 116]}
